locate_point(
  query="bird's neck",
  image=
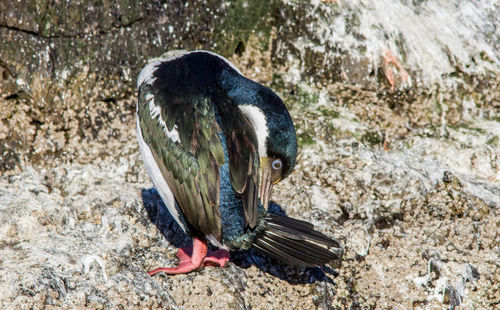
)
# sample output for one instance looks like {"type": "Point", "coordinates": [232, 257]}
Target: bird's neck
{"type": "Point", "coordinates": [242, 92]}
{"type": "Point", "coordinates": [258, 120]}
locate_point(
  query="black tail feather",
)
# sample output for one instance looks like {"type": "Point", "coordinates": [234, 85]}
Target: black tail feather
{"type": "Point", "coordinates": [277, 254]}
{"type": "Point", "coordinates": [296, 242]}
{"type": "Point", "coordinates": [294, 226]}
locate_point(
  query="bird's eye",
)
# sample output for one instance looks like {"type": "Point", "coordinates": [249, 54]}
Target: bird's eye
{"type": "Point", "coordinates": [277, 164]}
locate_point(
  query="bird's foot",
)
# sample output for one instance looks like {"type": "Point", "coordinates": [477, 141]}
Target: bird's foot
{"type": "Point", "coordinates": [217, 258]}
{"type": "Point", "coordinates": [192, 258]}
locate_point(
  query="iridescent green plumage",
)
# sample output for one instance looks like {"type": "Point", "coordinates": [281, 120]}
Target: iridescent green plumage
{"type": "Point", "coordinates": [197, 120]}
{"type": "Point", "coordinates": [191, 165]}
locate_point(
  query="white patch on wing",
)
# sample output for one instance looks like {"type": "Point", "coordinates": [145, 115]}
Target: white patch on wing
{"type": "Point", "coordinates": [147, 72]}
{"type": "Point", "coordinates": [258, 120]}
{"type": "Point", "coordinates": [215, 242]}
{"type": "Point", "coordinates": [155, 112]}
{"type": "Point", "coordinates": [157, 178]}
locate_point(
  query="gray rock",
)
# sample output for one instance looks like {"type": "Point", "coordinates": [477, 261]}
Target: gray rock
{"type": "Point", "coordinates": [396, 108]}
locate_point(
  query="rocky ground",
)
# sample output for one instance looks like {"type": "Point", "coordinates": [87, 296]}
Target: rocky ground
{"type": "Point", "coordinates": [398, 127]}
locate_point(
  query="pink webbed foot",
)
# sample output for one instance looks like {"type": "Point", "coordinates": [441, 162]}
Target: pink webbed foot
{"type": "Point", "coordinates": [192, 258]}
{"type": "Point", "coordinates": [217, 258]}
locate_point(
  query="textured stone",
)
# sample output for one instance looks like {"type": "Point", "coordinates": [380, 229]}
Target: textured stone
{"type": "Point", "coordinates": [397, 111]}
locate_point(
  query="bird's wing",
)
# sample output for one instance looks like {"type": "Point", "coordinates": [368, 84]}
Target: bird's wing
{"type": "Point", "coordinates": [182, 134]}
{"type": "Point", "coordinates": [243, 156]}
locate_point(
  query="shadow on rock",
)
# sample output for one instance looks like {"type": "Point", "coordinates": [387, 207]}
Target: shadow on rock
{"type": "Point", "coordinates": [159, 215]}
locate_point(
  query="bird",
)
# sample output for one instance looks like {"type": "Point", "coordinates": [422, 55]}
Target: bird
{"type": "Point", "coordinates": [214, 143]}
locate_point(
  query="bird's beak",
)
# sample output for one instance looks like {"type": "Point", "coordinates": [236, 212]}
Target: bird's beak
{"type": "Point", "coordinates": [266, 183]}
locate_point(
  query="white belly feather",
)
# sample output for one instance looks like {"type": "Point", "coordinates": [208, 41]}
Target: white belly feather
{"type": "Point", "coordinates": [157, 177]}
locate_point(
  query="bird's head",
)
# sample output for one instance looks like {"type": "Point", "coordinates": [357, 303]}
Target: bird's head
{"type": "Point", "coordinates": [273, 126]}
{"type": "Point", "coordinates": [277, 142]}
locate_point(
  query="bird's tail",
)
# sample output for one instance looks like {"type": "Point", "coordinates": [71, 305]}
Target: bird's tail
{"type": "Point", "coordinates": [295, 242]}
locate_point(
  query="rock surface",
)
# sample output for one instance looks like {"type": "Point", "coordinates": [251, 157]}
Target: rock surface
{"type": "Point", "coordinates": [397, 110]}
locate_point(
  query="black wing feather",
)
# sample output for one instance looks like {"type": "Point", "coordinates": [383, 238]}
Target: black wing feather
{"type": "Point", "coordinates": [243, 157]}
{"type": "Point", "coordinates": [191, 166]}
{"type": "Point", "coordinates": [296, 242]}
